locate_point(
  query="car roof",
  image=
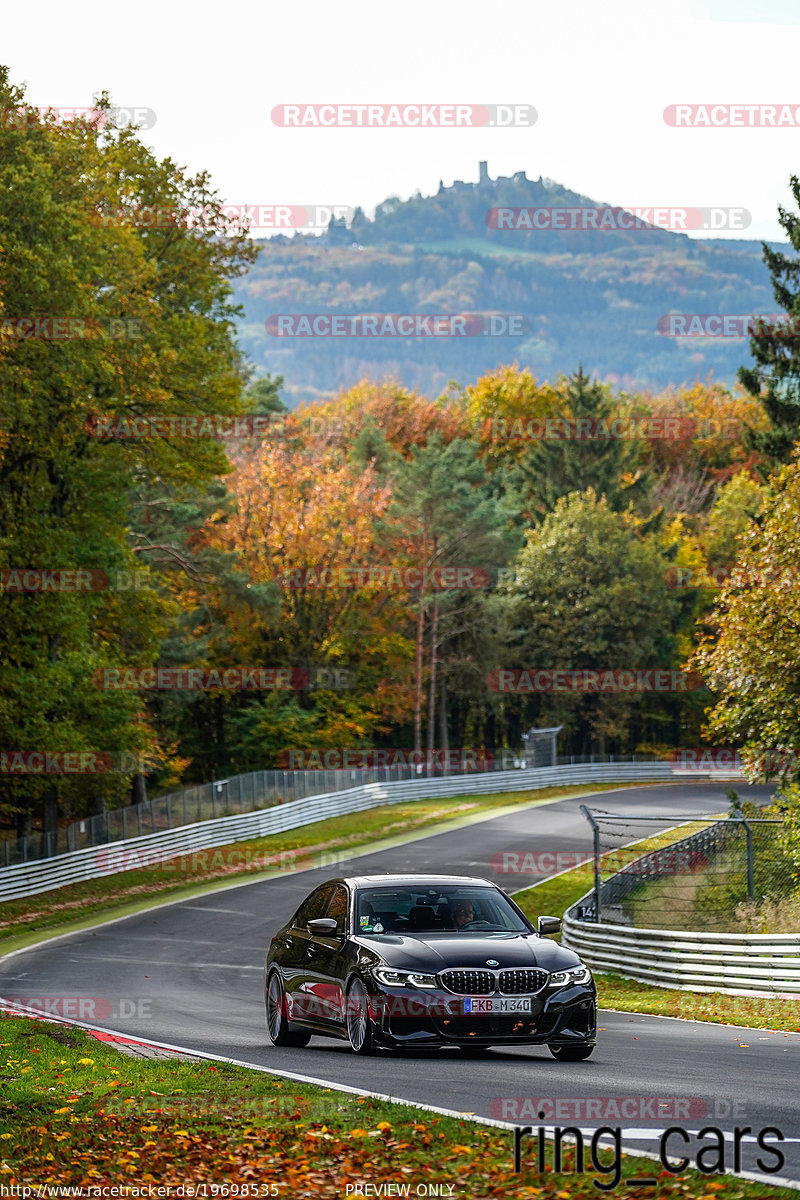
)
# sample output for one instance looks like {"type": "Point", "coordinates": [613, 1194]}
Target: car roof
{"type": "Point", "coordinates": [406, 880]}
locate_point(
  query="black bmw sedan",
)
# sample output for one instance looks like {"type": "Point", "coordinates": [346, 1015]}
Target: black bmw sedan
{"type": "Point", "coordinates": [425, 960]}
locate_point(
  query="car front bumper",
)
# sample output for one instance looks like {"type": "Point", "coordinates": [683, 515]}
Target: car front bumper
{"type": "Point", "coordinates": [559, 1017]}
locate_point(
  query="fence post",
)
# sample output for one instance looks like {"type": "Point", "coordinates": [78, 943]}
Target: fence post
{"type": "Point", "coordinates": [596, 845]}
{"type": "Point", "coordinates": [751, 873]}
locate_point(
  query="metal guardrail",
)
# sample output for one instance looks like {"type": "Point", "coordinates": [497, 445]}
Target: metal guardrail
{"type": "Point", "coordinates": [93, 862]}
{"type": "Point", "coordinates": [740, 964]}
{"type": "Point", "coordinates": [760, 964]}
{"type": "Point", "coordinates": [236, 794]}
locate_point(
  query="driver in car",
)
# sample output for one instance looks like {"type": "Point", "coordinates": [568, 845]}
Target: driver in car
{"type": "Point", "coordinates": [463, 913]}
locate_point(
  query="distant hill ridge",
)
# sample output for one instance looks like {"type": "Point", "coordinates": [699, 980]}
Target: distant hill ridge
{"type": "Point", "coordinates": [462, 208]}
{"type": "Point", "coordinates": [590, 296]}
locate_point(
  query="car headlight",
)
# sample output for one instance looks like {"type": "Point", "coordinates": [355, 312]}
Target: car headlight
{"type": "Point", "coordinates": [579, 974]}
{"type": "Point", "coordinates": [405, 978]}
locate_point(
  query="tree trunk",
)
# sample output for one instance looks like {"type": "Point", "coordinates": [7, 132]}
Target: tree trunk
{"type": "Point", "coordinates": [418, 679]}
{"type": "Point", "coordinates": [138, 789]}
{"type": "Point", "coordinates": [444, 740]}
{"type": "Point", "coordinates": [432, 684]}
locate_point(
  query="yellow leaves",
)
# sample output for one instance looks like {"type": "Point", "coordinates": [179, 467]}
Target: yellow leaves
{"type": "Point", "coordinates": [86, 1062]}
{"type": "Point", "coordinates": [358, 1133]}
{"type": "Point", "coordinates": [59, 1111]}
{"type": "Point", "coordinates": [384, 1125]}
{"type": "Point", "coordinates": [5, 1136]}
{"type": "Point", "coordinates": [149, 1128]}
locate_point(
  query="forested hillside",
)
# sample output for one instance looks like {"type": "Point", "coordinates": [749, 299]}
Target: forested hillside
{"type": "Point", "coordinates": [587, 297]}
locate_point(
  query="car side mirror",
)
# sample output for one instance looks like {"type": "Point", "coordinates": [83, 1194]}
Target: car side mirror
{"type": "Point", "coordinates": [546, 926]}
{"type": "Point", "coordinates": [323, 926]}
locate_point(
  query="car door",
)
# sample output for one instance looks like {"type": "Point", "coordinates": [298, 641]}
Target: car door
{"type": "Point", "coordinates": [298, 953]}
{"type": "Point", "coordinates": [329, 963]}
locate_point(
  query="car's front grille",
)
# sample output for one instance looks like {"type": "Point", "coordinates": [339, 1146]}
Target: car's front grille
{"type": "Point", "coordinates": [468, 983]}
{"type": "Point", "coordinates": [514, 982]}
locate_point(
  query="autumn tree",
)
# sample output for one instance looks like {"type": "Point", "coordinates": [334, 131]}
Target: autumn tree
{"type": "Point", "coordinates": [775, 377]}
{"type": "Point", "coordinates": [554, 466]}
{"type": "Point", "coordinates": [442, 514]}
{"type": "Point", "coordinates": [102, 315]}
{"type": "Point", "coordinates": [589, 591]}
{"type": "Point", "coordinates": [751, 650]}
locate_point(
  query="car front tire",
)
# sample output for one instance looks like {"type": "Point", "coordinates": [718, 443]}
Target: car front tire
{"type": "Point", "coordinates": [571, 1053]}
{"type": "Point", "coordinates": [277, 1025]}
{"type": "Point", "coordinates": [360, 1029]}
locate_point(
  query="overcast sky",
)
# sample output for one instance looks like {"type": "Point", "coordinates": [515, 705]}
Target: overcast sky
{"type": "Point", "coordinates": [598, 74]}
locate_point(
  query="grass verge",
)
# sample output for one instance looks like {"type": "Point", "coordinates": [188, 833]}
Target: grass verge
{"type": "Point", "coordinates": [296, 849]}
{"type": "Point", "coordinates": [555, 895]}
{"type": "Point", "coordinates": [74, 1111]}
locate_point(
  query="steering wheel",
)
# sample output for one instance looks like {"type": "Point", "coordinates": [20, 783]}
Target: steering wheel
{"type": "Point", "coordinates": [467, 924]}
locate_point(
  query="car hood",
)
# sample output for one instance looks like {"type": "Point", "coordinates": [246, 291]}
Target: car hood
{"type": "Point", "coordinates": [435, 952]}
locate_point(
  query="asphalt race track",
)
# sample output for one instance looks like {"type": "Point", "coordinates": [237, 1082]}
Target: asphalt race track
{"type": "Point", "coordinates": [191, 974]}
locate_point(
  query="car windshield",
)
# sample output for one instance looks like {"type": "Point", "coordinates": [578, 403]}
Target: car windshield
{"type": "Point", "coordinates": [436, 910]}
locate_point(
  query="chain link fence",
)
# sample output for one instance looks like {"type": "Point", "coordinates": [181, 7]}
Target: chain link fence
{"type": "Point", "coordinates": [725, 876]}
{"type": "Point", "coordinates": [240, 794]}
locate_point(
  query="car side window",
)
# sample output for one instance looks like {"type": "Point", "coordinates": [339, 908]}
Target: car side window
{"type": "Point", "coordinates": [314, 906]}
{"type": "Point", "coordinates": [338, 908]}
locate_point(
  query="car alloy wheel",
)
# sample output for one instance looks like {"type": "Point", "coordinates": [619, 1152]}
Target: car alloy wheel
{"type": "Point", "coordinates": [360, 1030]}
{"type": "Point", "coordinates": [277, 1025]}
{"type": "Point", "coordinates": [575, 1053]}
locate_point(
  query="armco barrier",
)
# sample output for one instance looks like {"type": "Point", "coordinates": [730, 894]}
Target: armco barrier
{"type": "Point", "coordinates": [740, 964]}
{"type": "Point", "coordinates": [27, 879]}
{"type": "Point", "coordinates": [761, 964]}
